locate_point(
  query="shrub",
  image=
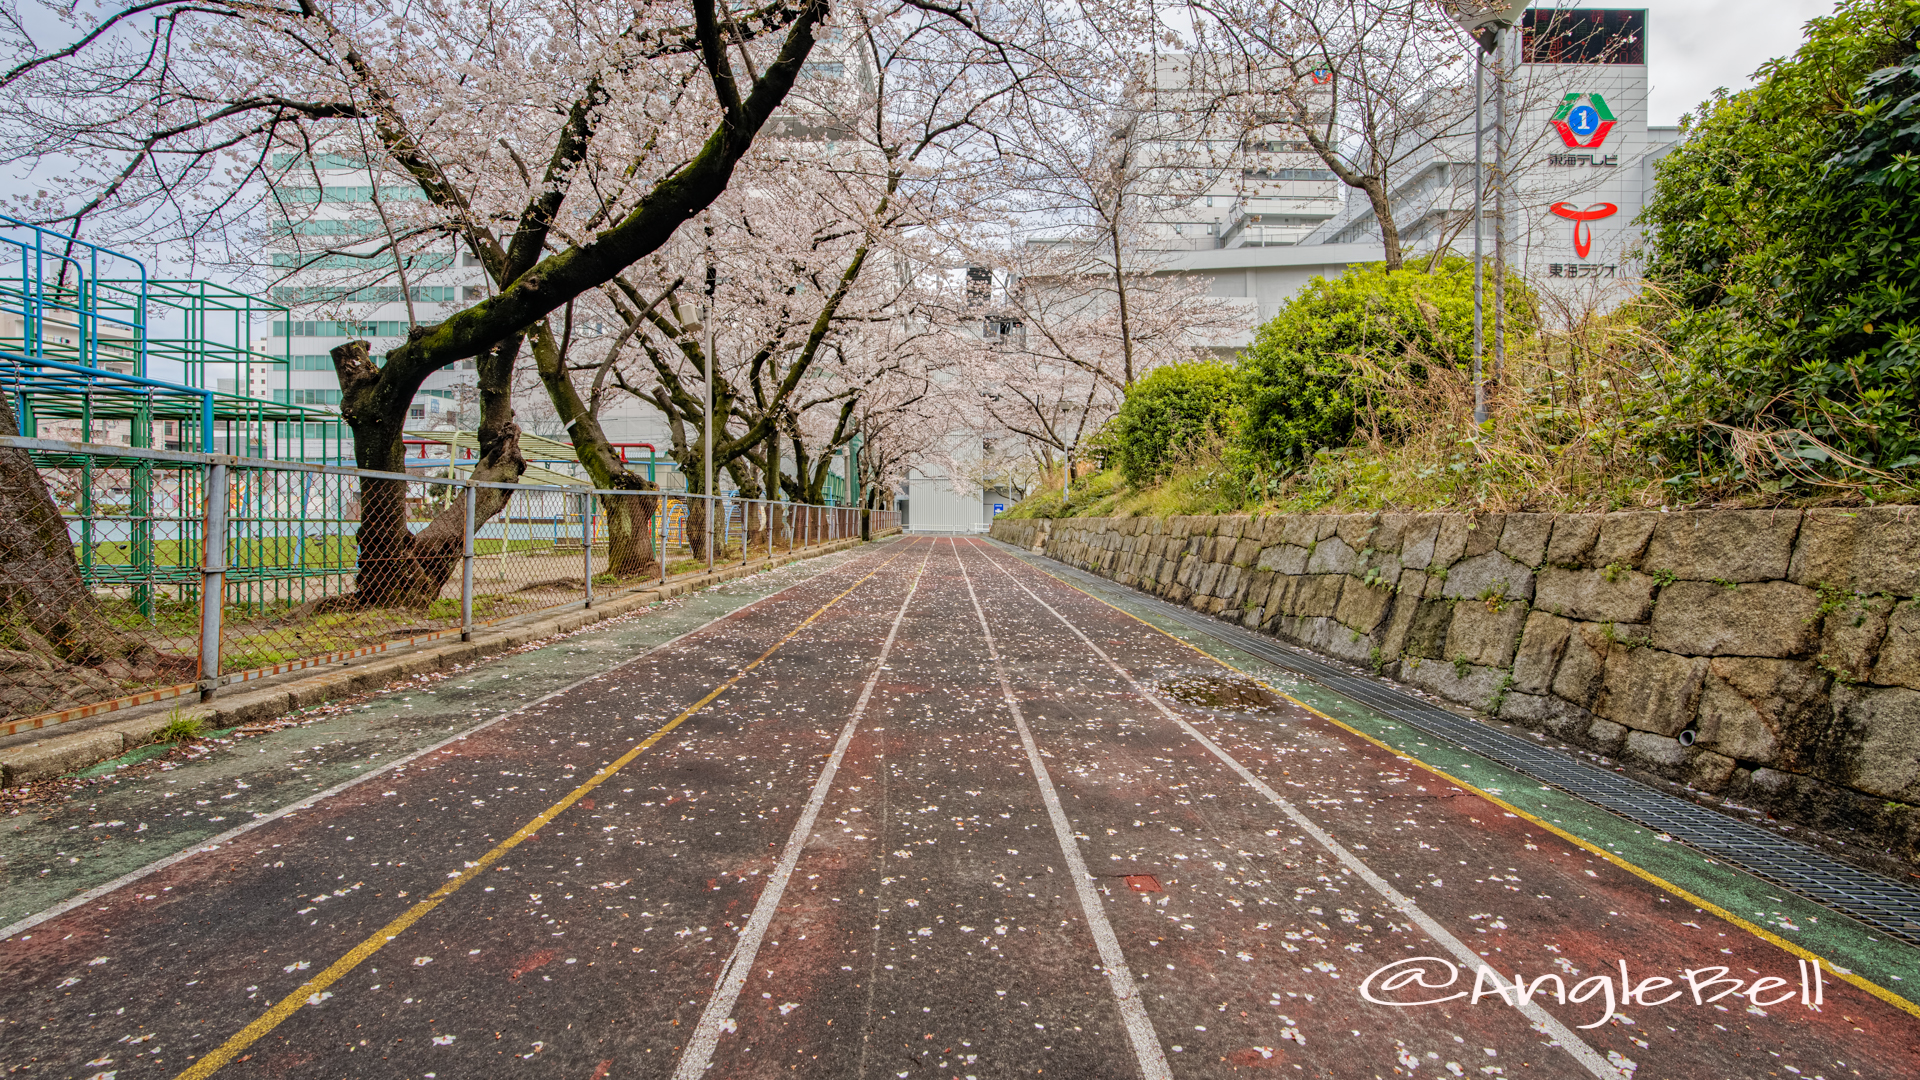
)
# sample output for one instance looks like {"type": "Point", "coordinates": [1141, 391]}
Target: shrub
{"type": "Point", "coordinates": [1321, 367]}
{"type": "Point", "coordinates": [1165, 415]}
{"type": "Point", "coordinates": [1783, 225]}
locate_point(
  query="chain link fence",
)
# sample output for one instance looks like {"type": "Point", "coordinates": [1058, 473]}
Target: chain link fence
{"type": "Point", "coordinates": [111, 554]}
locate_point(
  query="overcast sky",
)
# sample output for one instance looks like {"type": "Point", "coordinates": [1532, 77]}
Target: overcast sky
{"type": "Point", "coordinates": [1696, 45]}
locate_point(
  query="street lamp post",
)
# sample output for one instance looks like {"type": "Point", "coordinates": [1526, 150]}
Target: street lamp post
{"type": "Point", "coordinates": [1487, 26]}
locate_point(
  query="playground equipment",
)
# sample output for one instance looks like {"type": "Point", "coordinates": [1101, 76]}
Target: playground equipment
{"type": "Point", "coordinates": [93, 349]}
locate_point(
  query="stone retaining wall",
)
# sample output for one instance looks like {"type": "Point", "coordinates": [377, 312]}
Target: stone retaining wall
{"type": "Point", "coordinates": [1784, 644]}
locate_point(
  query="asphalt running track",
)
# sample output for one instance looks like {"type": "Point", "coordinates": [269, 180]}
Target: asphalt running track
{"type": "Point", "coordinates": [932, 813]}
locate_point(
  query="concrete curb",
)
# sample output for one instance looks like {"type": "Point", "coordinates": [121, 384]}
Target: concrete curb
{"type": "Point", "coordinates": [76, 750]}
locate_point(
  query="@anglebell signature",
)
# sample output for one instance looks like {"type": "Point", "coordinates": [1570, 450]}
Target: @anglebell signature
{"type": "Point", "coordinates": [1420, 976]}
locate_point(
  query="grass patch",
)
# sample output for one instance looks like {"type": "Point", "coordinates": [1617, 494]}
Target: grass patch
{"type": "Point", "coordinates": [180, 728]}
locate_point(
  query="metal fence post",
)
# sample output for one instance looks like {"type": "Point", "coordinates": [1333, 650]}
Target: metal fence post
{"type": "Point", "coordinates": [708, 504]}
{"type": "Point", "coordinates": [586, 543]}
{"type": "Point", "coordinates": [466, 569]}
{"type": "Point", "coordinates": [213, 578]}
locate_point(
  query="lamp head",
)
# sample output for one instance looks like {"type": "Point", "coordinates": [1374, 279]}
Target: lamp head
{"type": "Point", "coordinates": [1485, 19]}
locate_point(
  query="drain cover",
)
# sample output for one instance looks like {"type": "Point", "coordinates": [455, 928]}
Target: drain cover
{"type": "Point", "coordinates": [1142, 882]}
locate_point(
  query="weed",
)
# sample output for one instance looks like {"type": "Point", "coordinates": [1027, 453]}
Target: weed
{"type": "Point", "coordinates": [1377, 661]}
{"type": "Point", "coordinates": [179, 727]}
{"type": "Point", "coordinates": [1499, 697]}
{"type": "Point", "coordinates": [1839, 674]}
{"type": "Point", "coordinates": [1832, 599]}
{"type": "Point", "coordinates": [1353, 635]}
{"type": "Point", "coordinates": [1461, 665]}
{"type": "Point", "coordinates": [1438, 574]}
{"type": "Point", "coordinates": [1615, 571]}
{"type": "Point", "coordinates": [1725, 584]}
{"type": "Point", "coordinates": [1665, 577]}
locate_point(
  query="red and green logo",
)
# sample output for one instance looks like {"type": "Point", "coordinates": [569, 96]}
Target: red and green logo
{"type": "Point", "coordinates": [1583, 121]}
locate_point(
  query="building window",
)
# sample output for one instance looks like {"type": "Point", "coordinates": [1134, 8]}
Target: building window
{"type": "Point", "coordinates": [1584, 36]}
{"type": "Point", "coordinates": [335, 328]}
{"type": "Point", "coordinates": [417, 412]}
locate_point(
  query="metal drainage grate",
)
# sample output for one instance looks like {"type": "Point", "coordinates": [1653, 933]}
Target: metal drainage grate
{"type": "Point", "coordinates": [1880, 902]}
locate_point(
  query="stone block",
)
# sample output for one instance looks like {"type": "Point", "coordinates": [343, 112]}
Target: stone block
{"type": "Point", "coordinates": [1280, 598]}
{"type": "Point", "coordinates": [1338, 640]}
{"type": "Point", "coordinates": [1393, 642]}
{"type": "Point", "coordinates": [1475, 687]}
{"type": "Point", "coordinates": [1491, 574]}
{"type": "Point", "coordinates": [1769, 618]}
{"type": "Point", "coordinates": [1483, 534]}
{"type": "Point", "coordinates": [1259, 587]}
{"type": "Point", "coordinates": [1383, 570]}
{"type": "Point", "coordinates": [1542, 644]}
{"type": "Point", "coordinates": [1318, 595]}
{"type": "Point", "coordinates": [1595, 595]}
{"type": "Point", "coordinates": [1869, 551]}
{"type": "Point", "coordinates": [1573, 538]}
{"type": "Point", "coordinates": [1427, 636]}
{"type": "Point", "coordinates": [1271, 528]}
{"type": "Point", "coordinates": [1724, 545]}
{"type": "Point", "coordinates": [1418, 538]}
{"type": "Point", "coordinates": [1301, 530]}
{"type": "Point", "coordinates": [1416, 583]}
{"type": "Point", "coordinates": [1356, 530]}
{"type": "Point", "coordinates": [1709, 771]}
{"type": "Point", "coordinates": [1232, 580]}
{"type": "Point", "coordinates": [1391, 533]}
{"type": "Point", "coordinates": [1362, 606]}
{"type": "Point", "coordinates": [1246, 552]}
{"type": "Point", "coordinates": [1606, 736]}
{"type": "Point", "coordinates": [1451, 544]}
{"type": "Point", "coordinates": [1550, 714]}
{"type": "Point", "coordinates": [1484, 636]}
{"type": "Point", "coordinates": [1657, 751]}
{"type": "Point", "coordinates": [1897, 663]}
{"type": "Point", "coordinates": [1763, 711]}
{"type": "Point", "coordinates": [1650, 690]}
{"type": "Point", "coordinates": [1525, 537]}
{"type": "Point", "coordinates": [1874, 744]}
{"type": "Point", "coordinates": [1283, 559]}
{"type": "Point", "coordinates": [1623, 537]}
{"type": "Point", "coordinates": [1851, 635]}
{"type": "Point", "coordinates": [1332, 556]}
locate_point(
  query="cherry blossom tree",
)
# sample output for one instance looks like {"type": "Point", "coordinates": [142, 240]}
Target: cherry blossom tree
{"type": "Point", "coordinates": [555, 143]}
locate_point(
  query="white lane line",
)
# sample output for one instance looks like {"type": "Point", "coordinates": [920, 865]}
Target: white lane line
{"type": "Point", "coordinates": [698, 1056]}
{"type": "Point", "coordinates": [1562, 1036]}
{"type": "Point", "coordinates": [214, 842]}
{"type": "Point", "coordinates": [1133, 1012]}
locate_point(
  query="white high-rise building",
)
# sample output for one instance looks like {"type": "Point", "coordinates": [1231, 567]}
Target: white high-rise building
{"type": "Point", "coordinates": [337, 294]}
{"type": "Point", "coordinates": [1264, 188]}
{"type": "Point", "coordinates": [1581, 157]}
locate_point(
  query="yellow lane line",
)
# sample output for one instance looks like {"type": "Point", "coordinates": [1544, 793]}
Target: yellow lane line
{"type": "Point", "coordinates": [287, 1006]}
{"type": "Point", "coordinates": [1700, 902]}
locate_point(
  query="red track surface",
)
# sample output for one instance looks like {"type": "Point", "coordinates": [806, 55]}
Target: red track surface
{"type": "Point", "coordinates": [1248, 865]}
